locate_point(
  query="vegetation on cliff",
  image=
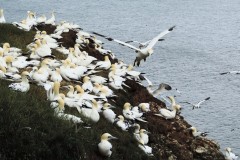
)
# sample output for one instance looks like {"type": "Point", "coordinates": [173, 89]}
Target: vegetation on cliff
{"type": "Point", "coordinates": [29, 129]}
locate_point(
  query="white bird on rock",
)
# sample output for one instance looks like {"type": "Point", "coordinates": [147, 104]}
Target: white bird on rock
{"type": "Point", "coordinates": [121, 123]}
{"type": "Point", "coordinates": [229, 155]}
{"type": "Point", "coordinates": [24, 85]}
{"type": "Point", "coordinates": [105, 147]}
{"type": "Point", "coordinates": [108, 113]}
{"type": "Point", "coordinates": [196, 133]}
{"type": "Point", "coordinates": [167, 114]}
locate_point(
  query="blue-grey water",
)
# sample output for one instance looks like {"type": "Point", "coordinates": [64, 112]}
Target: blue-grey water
{"type": "Point", "coordinates": [204, 43]}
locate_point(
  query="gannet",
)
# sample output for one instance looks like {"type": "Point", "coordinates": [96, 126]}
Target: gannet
{"type": "Point", "coordinates": [230, 72]}
{"type": "Point", "coordinates": [42, 49]}
{"type": "Point", "coordinates": [41, 19]}
{"type": "Point", "coordinates": [3, 70]}
{"type": "Point", "coordinates": [108, 113]}
{"type": "Point", "coordinates": [143, 53]}
{"type": "Point", "coordinates": [229, 155]}
{"type": "Point", "coordinates": [197, 105]}
{"type": "Point", "coordinates": [23, 86]}
{"type": "Point", "coordinates": [106, 64]}
{"type": "Point", "coordinates": [87, 84]}
{"type": "Point", "coordinates": [167, 114]}
{"type": "Point", "coordinates": [142, 44]}
{"type": "Point", "coordinates": [136, 132]}
{"type": "Point", "coordinates": [145, 148]}
{"type": "Point", "coordinates": [91, 113]}
{"type": "Point", "coordinates": [22, 62]}
{"type": "Point", "coordinates": [2, 18]}
{"type": "Point", "coordinates": [51, 42]}
{"type": "Point", "coordinates": [22, 25]}
{"type": "Point", "coordinates": [98, 79]}
{"type": "Point", "coordinates": [161, 88]}
{"type": "Point", "coordinates": [145, 107]}
{"type": "Point", "coordinates": [10, 68]}
{"type": "Point", "coordinates": [59, 110]}
{"type": "Point", "coordinates": [51, 20]}
{"type": "Point", "coordinates": [105, 147]}
{"type": "Point", "coordinates": [63, 50]}
{"type": "Point", "coordinates": [131, 115]}
{"type": "Point", "coordinates": [196, 133]}
{"type": "Point", "coordinates": [121, 123]}
{"type": "Point", "coordinates": [144, 135]}
{"type": "Point", "coordinates": [56, 76]}
{"type": "Point", "coordinates": [66, 72]}
{"type": "Point", "coordinates": [70, 93]}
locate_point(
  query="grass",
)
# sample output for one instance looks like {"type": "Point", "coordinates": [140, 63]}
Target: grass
{"type": "Point", "coordinates": [29, 129]}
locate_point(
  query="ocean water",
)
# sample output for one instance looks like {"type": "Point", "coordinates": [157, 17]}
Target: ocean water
{"type": "Point", "coordinates": [204, 43]}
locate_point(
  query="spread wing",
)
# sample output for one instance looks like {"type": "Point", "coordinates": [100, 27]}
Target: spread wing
{"type": "Point", "coordinates": [118, 41]}
{"type": "Point", "coordinates": [155, 39]}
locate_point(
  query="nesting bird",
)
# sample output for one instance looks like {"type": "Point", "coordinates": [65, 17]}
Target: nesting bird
{"type": "Point", "coordinates": [24, 85]}
{"type": "Point", "coordinates": [167, 114]}
{"type": "Point", "coordinates": [196, 133]}
{"type": "Point", "coordinates": [105, 147]}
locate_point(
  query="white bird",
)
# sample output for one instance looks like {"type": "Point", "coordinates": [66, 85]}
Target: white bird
{"type": "Point", "coordinates": [145, 148]}
{"type": "Point", "coordinates": [98, 79]}
{"type": "Point", "coordinates": [167, 114]}
{"type": "Point", "coordinates": [87, 84]}
{"type": "Point", "coordinates": [105, 147]}
{"type": "Point", "coordinates": [58, 106]}
{"type": "Point", "coordinates": [41, 19]}
{"type": "Point", "coordinates": [91, 113]}
{"type": "Point", "coordinates": [2, 18]}
{"type": "Point", "coordinates": [142, 44]}
{"type": "Point", "coordinates": [230, 72]}
{"type": "Point", "coordinates": [121, 123]}
{"type": "Point", "coordinates": [229, 155]}
{"type": "Point", "coordinates": [196, 133]}
{"type": "Point", "coordinates": [197, 105]}
{"type": "Point", "coordinates": [161, 88]}
{"type": "Point", "coordinates": [106, 64]}
{"type": "Point", "coordinates": [22, 25]}
{"type": "Point", "coordinates": [51, 20]}
{"type": "Point", "coordinates": [144, 135]}
{"type": "Point", "coordinates": [145, 107]}
{"type": "Point", "coordinates": [142, 54]}
{"type": "Point", "coordinates": [24, 85]}
{"type": "Point", "coordinates": [3, 71]}
{"type": "Point", "coordinates": [108, 113]}
{"type": "Point", "coordinates": [56, 76]}
{"type": "Point", "coordinates": [131, 115]}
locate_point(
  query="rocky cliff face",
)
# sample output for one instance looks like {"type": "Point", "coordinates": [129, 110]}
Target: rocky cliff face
{"type": "Point", "coordinates": [169, 139]}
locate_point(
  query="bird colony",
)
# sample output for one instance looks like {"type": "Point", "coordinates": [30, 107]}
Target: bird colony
{"type": "Point", "coordinates": [89, 92]}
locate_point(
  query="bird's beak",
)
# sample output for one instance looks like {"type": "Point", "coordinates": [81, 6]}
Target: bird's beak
{"type": "Point", "coordinates": [116, 119]}
{"type": "Point", "coordinates": [113, 137]}
{"type": "Point", "coordinates": [65, 87]}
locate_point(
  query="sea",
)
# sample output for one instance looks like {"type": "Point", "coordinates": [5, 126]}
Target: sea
{"type": "Point", "coordinates": [205, 43]}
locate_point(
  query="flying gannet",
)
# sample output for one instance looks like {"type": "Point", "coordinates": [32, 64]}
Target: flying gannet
{"type": "Point", "coordinates": [143, 53]}
{"type": "Point", "coordinates": [197, 105]}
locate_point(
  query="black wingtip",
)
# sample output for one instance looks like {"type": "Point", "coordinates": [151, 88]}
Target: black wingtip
{"type": "Point", "coordinates": [207, 98]}
{"type": "Point", "coordinates": [170, 29]}
{"type": "Point", "coordinates": [223, 73]}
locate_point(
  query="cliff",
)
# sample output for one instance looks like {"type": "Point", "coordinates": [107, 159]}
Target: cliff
{"type": "Point", "coordinates": [29, 129]}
